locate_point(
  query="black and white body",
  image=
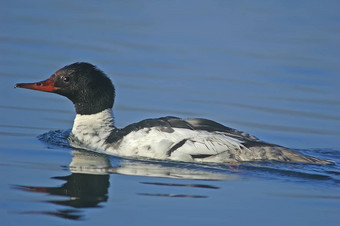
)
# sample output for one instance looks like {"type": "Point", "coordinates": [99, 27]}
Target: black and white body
{"type": "Point", "coordinates": [168, 138]}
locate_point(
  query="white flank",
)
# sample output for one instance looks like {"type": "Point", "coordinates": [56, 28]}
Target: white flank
{"type": "Point", "coordinates": [156, 143]}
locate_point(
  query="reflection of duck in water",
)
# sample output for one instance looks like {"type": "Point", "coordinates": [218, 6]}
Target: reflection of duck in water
{"type": "Point", "coordinates": [89, 182]}
{"type": "Point", "coordinates": [199, 140]}
{"type": "Point", "coordinates": [85, 189]}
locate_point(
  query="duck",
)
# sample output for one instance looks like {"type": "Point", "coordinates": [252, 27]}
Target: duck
{"type": "Point", "coordinates": [166, 138]}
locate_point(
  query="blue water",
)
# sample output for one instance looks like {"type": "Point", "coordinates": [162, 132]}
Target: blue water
{"type": "Point", "coordinates": [268, 68]}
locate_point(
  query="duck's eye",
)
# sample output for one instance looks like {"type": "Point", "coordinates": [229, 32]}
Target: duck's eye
{"type": "Point", "coordinates": [66, 78]}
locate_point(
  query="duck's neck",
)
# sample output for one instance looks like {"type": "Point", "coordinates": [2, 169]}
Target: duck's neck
{"type": "Point", "coordinates": [92, 130]}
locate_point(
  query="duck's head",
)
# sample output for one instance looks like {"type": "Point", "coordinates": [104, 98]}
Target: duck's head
{"type": "Point", "coordinates": [90, 90]}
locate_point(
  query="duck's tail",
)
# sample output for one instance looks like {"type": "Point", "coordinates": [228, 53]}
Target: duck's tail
{"type": "Point", "coordinates": [279, 153]}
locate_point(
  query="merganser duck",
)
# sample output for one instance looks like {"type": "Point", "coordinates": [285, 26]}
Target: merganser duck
{"type": "Point", "coordinates": [168, 138]}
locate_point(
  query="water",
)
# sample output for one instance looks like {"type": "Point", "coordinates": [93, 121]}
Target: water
{"type": "Point", "coordinates": [267, 68]}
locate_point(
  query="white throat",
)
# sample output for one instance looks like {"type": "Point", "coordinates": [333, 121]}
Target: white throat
{"type": "Point", "coordinates": [92, 130]}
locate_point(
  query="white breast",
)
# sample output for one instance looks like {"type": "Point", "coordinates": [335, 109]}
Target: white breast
{"type": "Point", "coordinates": [92, 130]}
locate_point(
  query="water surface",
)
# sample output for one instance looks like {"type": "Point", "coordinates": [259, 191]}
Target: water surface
{"type": "Point", "coordinates": [267, 68]}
